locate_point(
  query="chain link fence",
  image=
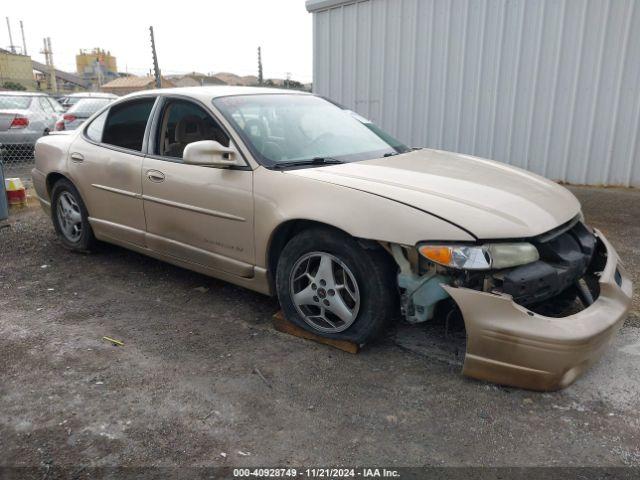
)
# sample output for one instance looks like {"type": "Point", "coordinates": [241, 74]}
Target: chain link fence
{"type": "Point", "coordinates": [27, 116]}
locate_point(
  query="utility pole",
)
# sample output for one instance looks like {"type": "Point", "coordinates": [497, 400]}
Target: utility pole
{"type": "Point", "coordinates": [260, 79]}
{"type": "Point", "coordinates": [156, 69]}
{"type": "Point", "coordinates": [288, 80]}
{"type": "Point", "coordinates": [12, 47]}
{"type": "Point", "coordinates": [24, 43]}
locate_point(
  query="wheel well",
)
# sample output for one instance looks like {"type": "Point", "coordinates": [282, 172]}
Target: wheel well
{"type": "Point", "coordinates": [52, 178]}
{"type": "Point", "coordinates": [289, 229]}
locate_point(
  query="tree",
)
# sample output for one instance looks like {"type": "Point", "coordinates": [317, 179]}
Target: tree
{"type": "Point", "coordinates": [13, 86]}
{"type": "Point", "coordinates": [294, 85]}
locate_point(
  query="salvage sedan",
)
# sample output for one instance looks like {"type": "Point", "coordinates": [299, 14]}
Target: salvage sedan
{"type": "Point", "coordinates": [288, 194]}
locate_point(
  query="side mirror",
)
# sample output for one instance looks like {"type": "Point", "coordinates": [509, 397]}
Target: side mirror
{"type": "Point", "coordinates": [208, 153]}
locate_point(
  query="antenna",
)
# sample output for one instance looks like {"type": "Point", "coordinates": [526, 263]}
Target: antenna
{"type": "Point", "coordinates": [156, 68]}
{"type": "Point", "coordinates": [24, 43]}
{"type": "Point", "coordinates": [260, 66]}
{"type": "Point", "coordinates": [12, 47]}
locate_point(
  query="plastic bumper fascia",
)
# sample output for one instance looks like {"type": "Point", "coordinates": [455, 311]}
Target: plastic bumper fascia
{"type": "Point", "coordinates": [510, 345]}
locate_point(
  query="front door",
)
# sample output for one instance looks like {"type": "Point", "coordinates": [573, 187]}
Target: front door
{"type": "Point", "coordinates": [105, 163]}
{"type": "Point", "coordinates": [198, 214]}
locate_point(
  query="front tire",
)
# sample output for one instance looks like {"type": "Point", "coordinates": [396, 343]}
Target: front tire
{"type": "Point", "coordinates": [330, 285]}
{"type": "Point", "coordinates": [70, 217]}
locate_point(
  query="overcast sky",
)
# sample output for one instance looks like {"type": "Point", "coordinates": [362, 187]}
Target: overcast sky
{"type": "Point", "coordinates": [205, 36]}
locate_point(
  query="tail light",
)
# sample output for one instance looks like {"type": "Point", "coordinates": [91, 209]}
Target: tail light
{"type": "Point", "coordinates": [60, 125]}
{"type": "Point", "coordinates": [19, 122]}
{"type": "Point", "coordinates": [68, 118]}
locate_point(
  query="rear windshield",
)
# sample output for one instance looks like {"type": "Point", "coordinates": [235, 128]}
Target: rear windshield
{"type": "Point", "coordinates": [88, 106]}
{"type": "Point", "coordinates": [14, 101]}
{"type": "Point", "coordinates": [71, 100]}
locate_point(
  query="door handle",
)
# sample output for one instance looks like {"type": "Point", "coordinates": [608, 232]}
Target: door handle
{"type": "Point", "coordinates": [155, 176]}
{"type": "Point", "coordinates": [77, 157]}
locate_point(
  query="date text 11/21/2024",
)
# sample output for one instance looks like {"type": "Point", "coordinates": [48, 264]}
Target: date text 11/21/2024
{"type": "Point", "coordinates": [328, 473]}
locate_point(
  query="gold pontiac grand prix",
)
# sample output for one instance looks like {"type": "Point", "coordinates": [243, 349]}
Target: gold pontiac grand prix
{"type": "Point", "coordinates": [289, 194]}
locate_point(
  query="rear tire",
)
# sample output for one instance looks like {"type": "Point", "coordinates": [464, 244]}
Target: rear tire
{"type": "Point", "coordinates": [70, 217]}
{"type": "Point", "coordinates": [331, 285]}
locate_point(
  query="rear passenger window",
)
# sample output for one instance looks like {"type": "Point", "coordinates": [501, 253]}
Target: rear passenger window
{"type": "Point", "coordinates": [94, 130]}
{"type": "Point", "coordinates": [46, 106]}
{"type": "Point", "coordinates": [126, 124]}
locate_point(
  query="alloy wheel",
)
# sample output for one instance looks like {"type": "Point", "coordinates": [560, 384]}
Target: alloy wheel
{"type": "Point", "coordinates": [69, 216]}
{"type": "Point", "coordinates": [324, 292]}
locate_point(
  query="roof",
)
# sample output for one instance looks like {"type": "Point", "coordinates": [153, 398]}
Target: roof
{"type": "Point", "coordinates": [215, 91]}
{"type": "Point", "coordinates": [92, 95]}
{"type": "Point", "coordinates": [129, 82]}
{"type": "Point", "coordinates": [233, 79]}
{"type": "Point", "coordinates": [315, 5]}
{"type": "Point", "coordinates": [19, 93]}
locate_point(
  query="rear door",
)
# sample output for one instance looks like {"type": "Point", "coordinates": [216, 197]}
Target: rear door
{"type": "Point", "coordinates": [105, 162]}
{"type": "Point", "coordinates": [199, 214]}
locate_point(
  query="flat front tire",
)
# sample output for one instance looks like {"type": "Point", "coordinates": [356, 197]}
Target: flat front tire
{"type": "Point", "coordinates": [331, 285]}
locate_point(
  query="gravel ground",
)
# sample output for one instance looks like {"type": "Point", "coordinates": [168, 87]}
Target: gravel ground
{"type": "Point", "coordinates": [204, 380]}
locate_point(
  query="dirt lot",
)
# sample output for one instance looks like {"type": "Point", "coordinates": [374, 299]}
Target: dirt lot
{"type": "Point", "coordinates": [184, 389]}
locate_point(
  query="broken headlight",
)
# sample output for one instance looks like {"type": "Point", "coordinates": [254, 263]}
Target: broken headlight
{"type": "Point", "coordinates": [480, 257]}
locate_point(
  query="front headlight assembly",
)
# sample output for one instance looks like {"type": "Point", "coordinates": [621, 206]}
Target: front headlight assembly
{"type": "Point", "coordinates": [480, 257]}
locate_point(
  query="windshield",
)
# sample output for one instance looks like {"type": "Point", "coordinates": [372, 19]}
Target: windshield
{"type": "Point", "coordinates": [283, 128]}
{"type": "Point", "coordinates": [14, 101]}
{"type": "Point", "coordinates": [88, 106]}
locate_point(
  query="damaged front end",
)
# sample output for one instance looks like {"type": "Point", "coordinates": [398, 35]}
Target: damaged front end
{"type": "Point", "coordinates": [532, 320]}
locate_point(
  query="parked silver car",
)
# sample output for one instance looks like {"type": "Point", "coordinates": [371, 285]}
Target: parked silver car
{"type": "Point", "coordinates": [70, 100]}
{"type": "Point", "coordinates": [24, 118]}
{"type": "Point", "coordinates": [79, 112]}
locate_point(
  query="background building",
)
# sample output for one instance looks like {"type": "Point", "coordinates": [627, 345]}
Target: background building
{"type": "Point", "coordinates": [96, 66]}
{"type": "Point", "coordinates": [550, 86]}
{"type": "Point", "coordinates": [124, 85]}
{"type": "Point", "coordinates": [194, 79]}
{"type": "Point", "coordinates": [16, 70]}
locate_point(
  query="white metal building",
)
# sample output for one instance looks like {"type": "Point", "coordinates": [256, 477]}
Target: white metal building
{"type": "Point", "coordinates": [552, 86]}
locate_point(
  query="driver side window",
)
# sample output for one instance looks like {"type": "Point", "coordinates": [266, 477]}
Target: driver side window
{"type": "Point", "coordinates": [182, 123]}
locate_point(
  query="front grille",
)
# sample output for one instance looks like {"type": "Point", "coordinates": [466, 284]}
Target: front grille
{"type": "Point", "coordinates": [564, 259]}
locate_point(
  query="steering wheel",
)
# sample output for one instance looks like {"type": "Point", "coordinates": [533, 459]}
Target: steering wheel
{"type": "Point", "coordinates": [258, 139]}
{"type": "Point", "coordinates": [320, 138]}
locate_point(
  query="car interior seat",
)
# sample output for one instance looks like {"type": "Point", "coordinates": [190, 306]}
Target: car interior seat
{"type": "Point", "coordinates": [189, 129]}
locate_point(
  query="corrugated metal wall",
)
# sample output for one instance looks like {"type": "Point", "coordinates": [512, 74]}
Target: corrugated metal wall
{"type": "Point", "coordinates": [552, 86]}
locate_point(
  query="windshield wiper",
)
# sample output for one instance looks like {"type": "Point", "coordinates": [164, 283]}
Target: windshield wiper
{"type": "Point", "coordinates": [313, 161]}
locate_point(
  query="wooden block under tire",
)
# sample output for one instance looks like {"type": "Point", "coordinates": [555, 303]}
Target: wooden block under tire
{"type": "Point", "coordinates": [283, 325]}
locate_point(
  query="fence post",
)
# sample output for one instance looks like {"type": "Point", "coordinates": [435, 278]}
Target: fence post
{"type": "Point", "coordinates": [4, 208]}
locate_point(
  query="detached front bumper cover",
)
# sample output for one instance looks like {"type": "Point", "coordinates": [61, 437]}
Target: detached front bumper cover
{"type": "Point", "coordinates": [510, 345]}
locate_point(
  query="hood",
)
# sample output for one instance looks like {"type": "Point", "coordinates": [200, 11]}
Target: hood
{"type": "Point", "coordinates": [491, 200]}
